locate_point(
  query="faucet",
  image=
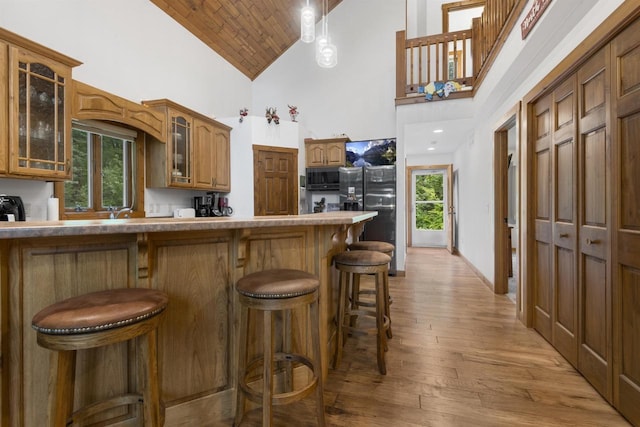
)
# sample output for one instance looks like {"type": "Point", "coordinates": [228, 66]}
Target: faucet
{"type": "Point", "coordinates": [115, 213]}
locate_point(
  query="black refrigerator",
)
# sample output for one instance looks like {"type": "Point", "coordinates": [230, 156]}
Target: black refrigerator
{"type": "Point", "coordinates": [375, 190]}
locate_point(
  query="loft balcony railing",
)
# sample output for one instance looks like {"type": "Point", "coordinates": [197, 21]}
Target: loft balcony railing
{"type": "Point", "coordinates": [438, 58]}
{"type": "Point", "coordinates": [461, 58]}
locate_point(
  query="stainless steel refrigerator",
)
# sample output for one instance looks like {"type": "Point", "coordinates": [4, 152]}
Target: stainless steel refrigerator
{"type": "Point", "coordinates": [380, 195]}
{"type": "Point", "coordinates": [351, 179]}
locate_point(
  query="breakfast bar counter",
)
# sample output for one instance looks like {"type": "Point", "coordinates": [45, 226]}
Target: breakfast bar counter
{"type": "Point", "coordinates": [197, 262]}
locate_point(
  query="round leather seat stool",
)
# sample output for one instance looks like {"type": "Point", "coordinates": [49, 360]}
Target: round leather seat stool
{"type": "Point", "coordinates": [272, 291]}
{"type": "Point", "coordinates": [372, 245]}
{"type": "Point", "coordinates": [351, 265]}
{"type": "Point", "coordinates": [94, 320]}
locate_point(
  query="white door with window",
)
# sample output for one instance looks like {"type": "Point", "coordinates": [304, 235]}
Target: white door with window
{"type": "Point", "coordinates": [429, 208]}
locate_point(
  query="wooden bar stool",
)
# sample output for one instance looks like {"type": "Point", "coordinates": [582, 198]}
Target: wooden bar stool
{"type": "Point", "coordinates": [351, 264]}
{"type": "Point", "coordinates": [94, 320]}
{"type": "Point", "coordinates": [385, 248]}
{"type": "Point", "coordinates": [271, 291]}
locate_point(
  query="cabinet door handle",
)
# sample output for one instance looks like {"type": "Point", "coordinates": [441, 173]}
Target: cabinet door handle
{"type": "Point", "coordinates": [592, 242]}
{"type": "Point", "coordinates": [563, 235]}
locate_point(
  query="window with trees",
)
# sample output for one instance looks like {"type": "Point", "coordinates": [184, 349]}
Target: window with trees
{"type": "Point", "coordinates": [104, 171]}
{"type": "Point", "coordinates": [429, 202]}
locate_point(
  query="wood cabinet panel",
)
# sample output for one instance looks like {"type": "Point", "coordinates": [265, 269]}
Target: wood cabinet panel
{"type": "Point", "coordinates": [197, 339]}
{"type": "Point", "coordinates": [594, 167]}
{"type": "Point", "coordinates": [594, 334]}
{"type": "Point", "coordinates": [565, 170]}
{"type": "Point", "coordinates": [275, 184]}
{"type": "Point", "coordinates": [90, 103]}
{"type": "Point", "coordinates": [542, 279]}
{"type": "Point", "coordinates": [625, 60]}
{"type": "Point", "coordinates": [194, 340]}
{"type": "Point", "coordinates": [543, 291]}
{"type": "Point", "coordinates": [41, 275]}
{"type": "Point", "coordinates": [4, 106]}
{"type": "Point", "coordinates": [564, 200]}
{"type": "Point", "coordinates": [197, 152]}
{"type": "Point", "coordinates": [325, 152]}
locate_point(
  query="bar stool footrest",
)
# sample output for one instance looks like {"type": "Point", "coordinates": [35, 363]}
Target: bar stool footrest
{"type": "Point", "coordinates": [286, 397]}
{"type": "Point", "coordinates": [104, 405]}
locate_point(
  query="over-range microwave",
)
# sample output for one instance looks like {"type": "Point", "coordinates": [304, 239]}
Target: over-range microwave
{"type": "Point", "coordinates": [323, 179]}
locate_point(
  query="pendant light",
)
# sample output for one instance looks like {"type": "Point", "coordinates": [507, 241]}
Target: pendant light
{"type": "Point", "coordinates": [307, 24]}
{"type": "Point", "coordinates": [326, 52]}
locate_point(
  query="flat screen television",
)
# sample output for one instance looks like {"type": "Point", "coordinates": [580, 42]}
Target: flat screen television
{"type": "Point", "coordinates": [371, 152]}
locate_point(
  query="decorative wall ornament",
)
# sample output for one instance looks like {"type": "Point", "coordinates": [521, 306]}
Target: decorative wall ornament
{"type": "Point", "coordinates": [293, 112]}
{"type": "Point", "coordinates": [442, 89]}
{"type": "Point", "coordinates": [272, 114]}
{"type": "Point", "coordinates": [243, 113]}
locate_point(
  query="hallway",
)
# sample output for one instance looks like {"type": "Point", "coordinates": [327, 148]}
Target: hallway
{"type": "Point", "coordinates": [458, 357]}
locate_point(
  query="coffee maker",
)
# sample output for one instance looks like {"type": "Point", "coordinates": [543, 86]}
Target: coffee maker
{"type": "Point", "coordinates": [11, 208]}
{"type": "Point", "coordinates": [212, 204]}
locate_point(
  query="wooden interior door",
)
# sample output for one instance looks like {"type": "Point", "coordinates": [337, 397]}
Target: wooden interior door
{"type": "Point", "coordinates": [625, 53]}
{"type": "Point", "coordinates": [542, 283]}
{"type": "Point", "coordinates": [595, 214]}
{"type": "Point", "coordinates": [275, 186]}
{"type": "Point", "coordinates": [564, 297]}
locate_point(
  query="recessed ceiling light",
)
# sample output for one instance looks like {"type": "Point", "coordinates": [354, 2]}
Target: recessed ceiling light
{"type": "Point", "coordinates": [431, 148]}
{"type": "Point", "coordinates": [438, 131]}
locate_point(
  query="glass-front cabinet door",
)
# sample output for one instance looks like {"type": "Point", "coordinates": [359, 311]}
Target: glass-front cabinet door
{"type": "Point", "coordinates": [179, 158]}
{"type": "Point", "coordinates": [39, 120]}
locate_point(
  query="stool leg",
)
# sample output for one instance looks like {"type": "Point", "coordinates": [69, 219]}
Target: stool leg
{"type": "Point", "coordinates": [317, 364]}
{"type": "Point", "coordinates": [355, 297]}
{"type": "Point", "coordinates": [61, 400]}
{"type": "Point", "coordinates": [148, 366]}
{"type": "Point", "coordinates": [287, 348]}
{"type": "Point", "coordinates": [342, 302]}
{"type": "Point", "coordinates": [242, 363]}
{"type": "Point", "coordinates": [387, 307]}
{"type": "Point", "coordinates": [267, 371]}
{"type": "Point", "coordinates": [381, 333]}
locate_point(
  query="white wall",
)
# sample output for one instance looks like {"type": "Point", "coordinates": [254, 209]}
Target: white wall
{"type": "Point", "coordinates": [254, 130]}
{"type": "Point", "coordinates": [357, 96]}
{"type": "Point", "coordinates": [520, 65]}
{"type": "Point", "coordinates": [134, 50]}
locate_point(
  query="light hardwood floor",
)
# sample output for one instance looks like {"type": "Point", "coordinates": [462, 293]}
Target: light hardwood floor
{"type": "Point", "coordinates": [458, 357]}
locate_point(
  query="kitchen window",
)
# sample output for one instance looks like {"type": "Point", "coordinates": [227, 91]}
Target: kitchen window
{"type": "Point", "coordinates": [104, 174]}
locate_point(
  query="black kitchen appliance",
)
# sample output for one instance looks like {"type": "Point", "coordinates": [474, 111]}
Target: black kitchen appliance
{"type": "Point", "coordinates": [323, 179]}
{"type": "Point", "coordinates": [212, 204]}
{"type": "Point", "coordinates": [11, 208]}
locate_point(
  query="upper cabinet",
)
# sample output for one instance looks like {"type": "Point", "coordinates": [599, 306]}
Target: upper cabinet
{"type": "Point", "coordinates": [35, 123]}
{"type": "Point", "coordinates": [90, 103]}
{"type": "Point", "coordinates": [325, 152]}
{"type": "Point", "coordinates": [196, 152]}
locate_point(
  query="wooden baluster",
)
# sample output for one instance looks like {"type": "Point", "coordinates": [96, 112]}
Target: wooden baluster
{"type": "Point", "coordinates": [420, 64]}
{"type": "Point", "coordinates": [412, 69]}
{"type": "Point", "coordinates": [428, 63]}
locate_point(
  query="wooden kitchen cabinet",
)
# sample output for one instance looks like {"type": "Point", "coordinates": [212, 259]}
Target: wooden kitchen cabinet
{"type": "Point", "coordinates": [35, 119]}
{"type": "Point", "coordinates": [195, 155]}
{"type": "Point", "coordinates": [211, 141]}
{"type": "Point", "coordinates": [91, 103]}
{"type": "Point", "coordinates": [325, 152]}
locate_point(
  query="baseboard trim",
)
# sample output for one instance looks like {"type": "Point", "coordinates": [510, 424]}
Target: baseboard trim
{"type": "Point", "coordinates": [477, 272]}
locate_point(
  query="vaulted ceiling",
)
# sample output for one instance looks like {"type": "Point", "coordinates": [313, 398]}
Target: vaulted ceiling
{"type": "Point", "coordinates": [250, 34]}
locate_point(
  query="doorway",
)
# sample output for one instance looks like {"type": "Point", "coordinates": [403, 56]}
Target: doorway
{"type": "Point", "coordinates": [507, 209]}
{"type": "Point", "coordinates": [431, 209]}
{"type": "Point", "coordinates": [275, 180]}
